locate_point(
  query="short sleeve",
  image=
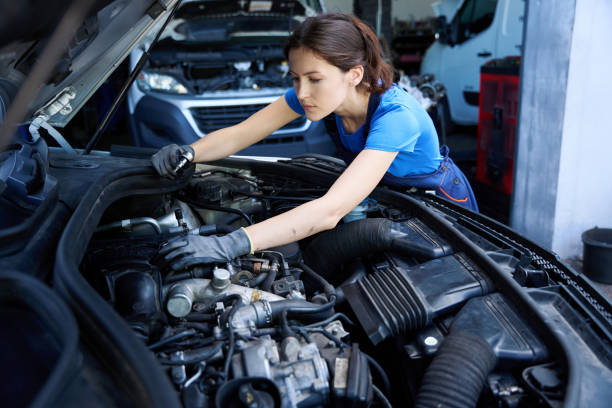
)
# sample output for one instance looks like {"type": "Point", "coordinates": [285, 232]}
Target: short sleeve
{"type": "Point", "coordinates": [393, 129]}
{"type": "Point", "coordinates": [292, 101]}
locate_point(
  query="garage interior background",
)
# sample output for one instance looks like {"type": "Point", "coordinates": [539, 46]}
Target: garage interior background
{"type": "Point", "coordinates": [563, 169]}
{"type": "Point", "coordinates": [561, 176]}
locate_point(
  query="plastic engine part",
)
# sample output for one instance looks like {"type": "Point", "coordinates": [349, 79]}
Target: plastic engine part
{"type": "Point", "coordinates": [400, 298]}
{"type": "Point", "coordinates": [492, 319]}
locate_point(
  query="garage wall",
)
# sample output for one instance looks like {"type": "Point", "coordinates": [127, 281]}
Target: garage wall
{"type": "Point", "coordinates": [544, 75]}
{"type": "Point", "coordinates": [562, 179]}
{"type": "Point", "coordinates": [584, 196]}
{"type": "Point", "coordinates": [345, 6]}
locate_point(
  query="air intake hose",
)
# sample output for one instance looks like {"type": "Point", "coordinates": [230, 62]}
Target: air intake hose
{"type": "Point", "coordinates": [458, 373]}
{"type": "Point", "coordinates": [332, 248]}
{"type": "Point", "coordinates": [400, 298]}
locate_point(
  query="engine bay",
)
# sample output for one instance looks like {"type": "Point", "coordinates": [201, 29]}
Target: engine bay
{"type": "Point", "coordinates": [378, 311]}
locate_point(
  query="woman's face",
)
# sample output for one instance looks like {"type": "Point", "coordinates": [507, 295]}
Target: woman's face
{"type": "Point", "coordinates": [320, 86]}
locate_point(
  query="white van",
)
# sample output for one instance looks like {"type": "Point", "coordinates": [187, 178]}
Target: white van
{"type": "Point", "coordinates": [470, 33]}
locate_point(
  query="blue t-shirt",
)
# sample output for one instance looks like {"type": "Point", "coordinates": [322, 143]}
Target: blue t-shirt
{"type": "Point", "coordinates": [399, 124]}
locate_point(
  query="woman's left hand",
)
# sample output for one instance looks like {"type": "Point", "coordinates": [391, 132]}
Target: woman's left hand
{"type": "Point", "coordinates": [182, 252]}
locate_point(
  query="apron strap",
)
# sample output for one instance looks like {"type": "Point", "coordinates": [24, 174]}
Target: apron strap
{"type": "Point", "coordinates": [332, 128]}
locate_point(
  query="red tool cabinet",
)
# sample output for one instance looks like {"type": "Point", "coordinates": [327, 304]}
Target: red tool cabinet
{"type": "Point", "coordinates": [497, 121]}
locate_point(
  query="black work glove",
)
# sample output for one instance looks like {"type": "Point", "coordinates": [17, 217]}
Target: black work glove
{"type": "Point", "coordinates": [182, 252]}
{"type": "Point", "coordinates": [168, 157]}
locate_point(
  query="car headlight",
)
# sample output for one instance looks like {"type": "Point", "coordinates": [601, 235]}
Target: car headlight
{"type": "Point", "coordinates": [151, 81]}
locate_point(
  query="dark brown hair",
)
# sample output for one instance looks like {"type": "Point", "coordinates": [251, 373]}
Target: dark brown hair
{"type": "Point", "coordinates": [344, 41]}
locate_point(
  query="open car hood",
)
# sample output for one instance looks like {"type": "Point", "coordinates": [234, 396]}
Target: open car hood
{"type": "Point", "coordinates": [104, 39]}
{"type": "Point", "coordinates": [206, 21]}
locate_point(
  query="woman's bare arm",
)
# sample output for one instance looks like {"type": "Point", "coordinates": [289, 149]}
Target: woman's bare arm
{"type": "Point", "coordinates": [352, 187]}
{"type": "Point", "coordinates": [224, 142]}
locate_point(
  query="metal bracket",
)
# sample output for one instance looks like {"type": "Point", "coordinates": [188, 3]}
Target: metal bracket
{"type": "Point", "coordinates": [41, 121]}
{"type": "Point", "coordinates": [60, 104]}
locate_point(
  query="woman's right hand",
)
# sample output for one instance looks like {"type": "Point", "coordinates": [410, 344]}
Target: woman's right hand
{"type": "Point", "coordinates": [167, 159]}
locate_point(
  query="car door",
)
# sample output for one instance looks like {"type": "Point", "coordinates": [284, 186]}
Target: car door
{"type": "Point", "coordinates": [473, 37]}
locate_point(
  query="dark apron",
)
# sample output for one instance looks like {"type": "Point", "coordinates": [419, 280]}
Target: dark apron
{"type": "Point", "coordinates": [448, 181]}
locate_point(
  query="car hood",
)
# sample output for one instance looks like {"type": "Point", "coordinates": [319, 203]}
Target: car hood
{"type": "Point", "coordinates": [214, 21]}
{"type": "Point", "coordinates": [106, 36]}
{"type": "Point", "coordinates": [253, 7]}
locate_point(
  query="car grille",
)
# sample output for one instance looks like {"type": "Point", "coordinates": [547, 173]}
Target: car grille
{"type": "Point", "coordinates": [212, 118]}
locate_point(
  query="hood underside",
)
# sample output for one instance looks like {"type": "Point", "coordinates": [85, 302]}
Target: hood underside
{"type": "Point", "coordinates": [99, 45]}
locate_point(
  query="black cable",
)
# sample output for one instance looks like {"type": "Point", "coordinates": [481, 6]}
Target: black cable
{"type": "Point", "coordinates": [197, 356]}
{"type": "Point", "coordinates": [203, 327]}
{"type": "Point", "coordinates": [330, 319]}
{"type": "Point", "coordinates": [192, 274]}
{"type": "Point", "coordinates": [267, 283]}
{"type": "Point", "coordinates": [381, 373]}
{"type": "Point", "coordinates": [381, 397]}
{"type": "Point", "coordinates": [279, 258]}
{"type": "Point", "coordinates": [199, 344]}
{"type": "Point", "coordinates": [285, 207]}
{"type": "Point", "coordinates": [302, 333]}
{"type": "Point", "coordinates": [201, 317]}
{"type": "Point", "coordinates": [286, 331]}
{"type": "Point", "coordinates": [272, 197]}
{"type": "Point", "coordinates": [303, 190]}
{"type": "Point", "coordinates": [169, 339]}
{"type": "Point", "coordinates": [310, 309]}
{"type": "Point", "coordinates": [232, 340]}
{"type": "Point", "coordinates": [256, 281]}
{"type": "Point", "coordinates": [328, 288]}
{"type": "Point", "coordinates": [330, 336]}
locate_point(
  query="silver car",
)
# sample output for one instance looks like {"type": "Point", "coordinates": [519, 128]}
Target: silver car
{"type": "Point", "coordinates": [216, 64]}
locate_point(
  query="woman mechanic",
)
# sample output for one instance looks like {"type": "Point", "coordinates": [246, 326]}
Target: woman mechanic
{"type": "Point", "coordinates": [382, 133]}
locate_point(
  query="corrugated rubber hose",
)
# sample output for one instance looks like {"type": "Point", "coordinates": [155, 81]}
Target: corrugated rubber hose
{"type": "Point", "coordinates": [458, 372]}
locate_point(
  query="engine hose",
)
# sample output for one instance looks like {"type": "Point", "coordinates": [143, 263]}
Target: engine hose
{"type": "Point", "coordinates": [297, 307]}
{"type": "Point", "coordinates": [256, 281]}
{"type": "Point", "coordinates": [230, 351]}
{"type": "Point", "coordinates": [327, 287]}
{"type": "Point", "coordinates": [196, 355]}
{"type": "Point", "coordinates": [201, 317]}
{"type": "Point", "coordinates": [170, 339]}
{"type": "Point", "coordinates": [267, 283]}
{"type": "Point", "coordinates": [348, 241]}
{"type": "Point", "coordinates": [203, 327]}
{"type": "Point", "coordinates": [332, 248]}
{"type": "Point", "coordinates": [457, 374]}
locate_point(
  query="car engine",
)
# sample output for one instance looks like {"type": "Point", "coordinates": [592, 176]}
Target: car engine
{"type": "Point", "coordinates": [311, 323]}
{"type": "Point", "coordinates": [232, 68]}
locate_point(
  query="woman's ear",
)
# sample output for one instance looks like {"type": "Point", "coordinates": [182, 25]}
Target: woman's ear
{"type": "Point", "coordinates": [355, 75]}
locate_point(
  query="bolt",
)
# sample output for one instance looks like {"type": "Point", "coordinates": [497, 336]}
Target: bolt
{"type": "Point", "coordinates": [221, 279]}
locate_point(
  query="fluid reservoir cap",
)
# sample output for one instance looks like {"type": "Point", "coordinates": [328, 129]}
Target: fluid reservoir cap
{"type": "Point", "coordinates": [179, 305]}
{"type": "Point", "coordinates": [221, 279]}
